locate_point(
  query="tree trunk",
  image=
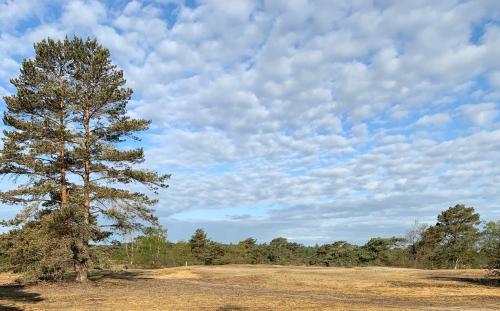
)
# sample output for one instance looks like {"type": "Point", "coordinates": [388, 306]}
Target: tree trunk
{"type": "Point", "coordinates": [62, 163]}
{"type": "Point", "coordinates": [81, 265]}
{"type": "Point", "coordinates": [157, 250]}
{"type": "Point", "coordinates": [64, 187]}
{"type": "Point", "coordinates": [132, 253]}
{"type": "Point", "coordinates": [81, 272]}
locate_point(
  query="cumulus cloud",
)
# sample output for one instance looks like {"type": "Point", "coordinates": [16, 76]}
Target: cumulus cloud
{"type": "Point", "coordinates": [13, 12]}
{"type": "Point", "coordinates": [318, 118]}
{"type": "Point", "coordinates": [83, 15]}
{"type": "Point", "coordinates": [438, 119]}
{"type": "Point", "coordinates": [480, 114]}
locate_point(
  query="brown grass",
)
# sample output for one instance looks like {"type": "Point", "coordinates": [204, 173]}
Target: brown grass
{"type": "Point", "coordinates": [245, 287]}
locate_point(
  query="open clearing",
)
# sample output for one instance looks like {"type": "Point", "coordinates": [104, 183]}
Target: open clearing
{"type": "Point", "coordinates": [245, 287]}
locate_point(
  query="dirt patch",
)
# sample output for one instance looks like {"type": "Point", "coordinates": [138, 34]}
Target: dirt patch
{"type": "Point", "coordinates": [164, 274]}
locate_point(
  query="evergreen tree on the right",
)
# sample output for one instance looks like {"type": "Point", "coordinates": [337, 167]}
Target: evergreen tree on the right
{"type": "Point", "coordinates": [460, 234]}
{"type": "Point", "coordinates": [490, 247]}
{"type": "Point", "coordinates": [451, 243]}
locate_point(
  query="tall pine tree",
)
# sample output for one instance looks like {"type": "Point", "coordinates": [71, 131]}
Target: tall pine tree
{"type": "Point", "coordinates": [103, 125]}
{"type": "Point", "coordinates": [69, 121]}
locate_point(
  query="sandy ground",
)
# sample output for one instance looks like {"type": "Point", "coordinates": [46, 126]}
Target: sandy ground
{"type": "Point", "coordinates": [245, 287]}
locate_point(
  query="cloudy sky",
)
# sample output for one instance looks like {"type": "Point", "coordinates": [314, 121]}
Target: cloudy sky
{"type": "Point", "coordinates": [311, 120]}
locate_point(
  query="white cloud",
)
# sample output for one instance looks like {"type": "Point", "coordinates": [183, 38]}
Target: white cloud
{"type": "Point", "coordinates": [83, 15]}
{"type": "Point", "coordinates": [360, 130]}
{"type": "Point", "coordinates": [494, 79]}
{"type": "Point", "coordinates": [480, 114]}
{"type": "Point", "coordinates": [13, 12]}
{"type": "Point", "coordinates": [438, 119]}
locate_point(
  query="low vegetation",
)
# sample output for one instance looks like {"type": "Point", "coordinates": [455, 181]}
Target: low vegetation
{"type": "Point", "coordinates": [455, 241]}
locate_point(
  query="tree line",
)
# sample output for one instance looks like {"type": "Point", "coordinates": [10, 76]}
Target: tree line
{"type": "Point", "coordinates": [457, 240]}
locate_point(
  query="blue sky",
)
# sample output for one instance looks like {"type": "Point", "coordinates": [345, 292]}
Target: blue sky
{"type": "Point", "coordinates": [312, 120]}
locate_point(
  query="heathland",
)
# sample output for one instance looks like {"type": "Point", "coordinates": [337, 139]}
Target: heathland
{"type": "Point", "coordinates": [260, 287]}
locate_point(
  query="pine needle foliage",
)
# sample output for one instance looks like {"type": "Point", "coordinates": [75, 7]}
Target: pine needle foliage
{"type": "Point", "coordinates": [65, 146]}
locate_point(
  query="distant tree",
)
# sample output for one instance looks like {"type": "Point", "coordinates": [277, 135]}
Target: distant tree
{"type": "Point", "coordinates": [280, 251]}
{"type": "Point", "coordinates": [380, 251]}
{"type": "Point", "coordinates": [411, 239]}
{"type": "Point", "coordinates": [490, 247]}
{"type": "Point", "coordinates": [452, 241]}
{"type": "Point", "coordinates": [149, 246]}
{"type": "Point", "coordinates": [199, 244]}
{"type": "Point", "coordinates": [428, 249]}
{"type": "Point", "coordinates": [251, 252]}
{"type": "Point", "coordinates": [460, 234]}
{"type": "Point", "coordinates": [180, 254]}
{"type": "Point", "coordinates": [339, 253]}
{"type": "Point", "coordinates": [233, 254]}
{"type": "Point", "coordinates": [205, 250]}
{"type": "Point", "coordinates": [215, 251]}
{"type": "Point", "coordinates": [249, 243]}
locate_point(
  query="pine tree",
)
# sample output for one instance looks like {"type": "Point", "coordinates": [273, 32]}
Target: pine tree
{"type": "Point", "coordinates": [34, 150]}
{"type": "Point", "coordinates": [199, 244]}
{"type": "Point", "coordinates": [452, 242]}
{"type": "Point", "coordinates": [490, 247]}
{"type": "Point", "coordinates": [460, 234]}
{"type": "Point", "coordinates": [69, 117]}
{"type": "Point", "coordinates": [102, 124]}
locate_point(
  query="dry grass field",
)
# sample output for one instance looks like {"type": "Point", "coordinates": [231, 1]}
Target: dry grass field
{"type": "Point", "coordinates": [244, 287]}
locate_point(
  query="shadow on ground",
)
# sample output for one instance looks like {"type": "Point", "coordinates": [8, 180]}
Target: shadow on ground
{"type": "Point", "coordinates": [476, 281]}
{"type": "Point", "coordinates": [117, 275]}
{"type": "Point", "coordinates": [231, 308]}
{"type": "Point", "coordinates": [16, 294]}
